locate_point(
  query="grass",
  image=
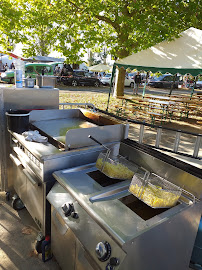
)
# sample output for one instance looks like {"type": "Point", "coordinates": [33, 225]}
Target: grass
{"type": "Point", "coordinates": [192, 124]}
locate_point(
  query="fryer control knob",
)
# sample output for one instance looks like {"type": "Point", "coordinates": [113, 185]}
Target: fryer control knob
{"type": "Point", "coordinates": [112, 263]}
{"type": "Point", "coordinates": [68, 209]}
{"type": "Point", "coordinates": [109, 267]}
{"type": "Point", "coordinates": [74, 215]}
{"type": "Point", "coordinates": [103, 251]}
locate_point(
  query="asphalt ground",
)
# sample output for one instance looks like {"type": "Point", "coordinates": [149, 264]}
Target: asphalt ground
{"type": "Point", "coordinates": [128, 90]}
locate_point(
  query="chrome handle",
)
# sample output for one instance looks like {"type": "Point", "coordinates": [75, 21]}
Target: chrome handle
{"type": "Point", "coordinates": [34, 182]}
{"type": "Point", "coordinates": [16, 161]}
{"type": "Point", "coordinates": [95, 140]}
{"type": "Point", "coordinates": [62, 229]}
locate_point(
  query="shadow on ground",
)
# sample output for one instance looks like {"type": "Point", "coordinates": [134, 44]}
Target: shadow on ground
{"type": "Point", "coordinates": [18, 235]}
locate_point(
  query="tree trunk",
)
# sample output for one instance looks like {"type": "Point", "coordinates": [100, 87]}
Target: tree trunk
{"type": "Point", "coordinates": [119, 82]}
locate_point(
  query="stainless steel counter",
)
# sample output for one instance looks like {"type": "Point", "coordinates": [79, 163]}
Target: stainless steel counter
{"type": "Point", "coordinates": [130, 224]}
{"type": "Point", "coordinates": [140, 237]}
{"type": "Point", "coordinates": [19, 98]}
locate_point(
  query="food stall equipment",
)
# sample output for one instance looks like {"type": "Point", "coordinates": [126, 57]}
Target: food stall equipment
{"type": "Point", "coordinates": [15, 99]}
{"type": "Point", "coordinates": [96, 223]}
{"type": "Point", "coordinates": [68, 146]}
{"type": "Point", "coordinates": [45, 81]}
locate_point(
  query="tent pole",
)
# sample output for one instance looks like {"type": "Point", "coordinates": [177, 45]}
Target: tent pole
{"type": "Point", "coordinates": [110, 88]}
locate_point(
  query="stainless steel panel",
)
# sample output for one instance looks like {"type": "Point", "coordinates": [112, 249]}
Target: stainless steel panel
{"type": "Point", "coordinates": [85, 228]}
{"type": "Point", "coordinates": [57, 128]}
{"type": "Point", "coordinates": [83, 260]}
{"type": "Point", "coordinates": [164, 242]}
{"type": "Point", "coordinates": [79, 138]}
{"type": "Point", "coordinates": [25, 98]}
{"type": "Point", "coordinates": [63, 242]}
{"type": "Point", "coordinates": [40, 150]}
{"type": "Point", "coordinates": [72, 159]}
{"type": "Point", "coordinates": [175, 175]}
{"type": "Point", "coordinates": [72, 127]}
{"type": "Point", "coordinates": [166, 246]}
{"type": "Point", "coordinates": [30, 98]}
{"type": "Point", "coordinates": [107, 213]}
{"type": "Point", "coordinates": [28, 160]}
{"type": "Point", "coordinates": [66, 248]}
{"type": "Point", "coordinates": [35, 203]}
{"type": "Point", "coordinates": [20, 183]}
{"type": "Point", "coordinates": [32, 192]}
{"type": "Point", "coordinates": [54, 114]}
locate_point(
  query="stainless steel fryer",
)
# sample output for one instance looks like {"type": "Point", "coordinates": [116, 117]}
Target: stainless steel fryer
{"type": "Point", "coordinates": [96, 223]}
{"type": "Point", "coordinates": [34, 163]}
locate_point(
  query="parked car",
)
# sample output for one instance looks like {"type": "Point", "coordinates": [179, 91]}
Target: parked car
{"type": "Point", "coordinates": [106, 80]}
{"type": "Point", "coordinates": [81, 77]}
{"type": "Point", "coordinates": [31, 69]}
{"type": "Point", "coordinates": [7, 76]}
{"type": "Point", "coordinates": [198, 85]}
{"type": "Point", "coordinates": [132, 75]}
{"type": "Point", "coordinates": [164, 81]}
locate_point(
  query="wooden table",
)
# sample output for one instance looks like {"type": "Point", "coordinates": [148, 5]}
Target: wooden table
{"type": "Point", "coordinates": [164, 108]}
{"type": "Point", "coordinates": [164, 103]}
{"type": "Point", "coordinates": [159, 97]}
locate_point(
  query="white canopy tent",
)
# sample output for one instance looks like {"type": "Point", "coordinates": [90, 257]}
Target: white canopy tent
{"type": "Point", "coordinates": [181, 55]}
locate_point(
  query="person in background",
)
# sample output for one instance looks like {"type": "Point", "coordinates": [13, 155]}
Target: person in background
{"type": "Point", "coordinates": [147, 77]}
{"type": "Point", "coordinates": [12, 66]}
{"type": "Point", "coordinates": [137, 80]}
{"type": "Point", "coordinates": [55, 69]}
{"type": "Point", "coordinates": [69, 68]}
{"type": "Point", "coordinates": [64, 70]}
{"type": "Point", "coordinates": [58, 71]}
{"type": "Point", "coordinates": [6, 67]}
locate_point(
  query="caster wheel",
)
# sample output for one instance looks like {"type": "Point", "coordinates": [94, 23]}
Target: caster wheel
{"type": "Point", "coordinates": [17, 204]}
{"type": "Point", "coordinates": [8, 196]}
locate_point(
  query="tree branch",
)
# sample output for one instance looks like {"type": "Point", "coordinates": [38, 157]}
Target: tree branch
{"type": "Point", "coordinates": [109, 21]}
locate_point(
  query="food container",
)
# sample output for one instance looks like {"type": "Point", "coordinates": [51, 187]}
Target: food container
{"type": "Point", "coordinates": [17, 120]}
{"type": "Point", "coordinates": [116, 167]}
{"type": "Point", "coordinates": [155, 191]}
{"type": "Point", "coordinates": [29, 82]}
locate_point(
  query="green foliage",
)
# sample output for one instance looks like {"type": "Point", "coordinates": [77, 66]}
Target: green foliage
{"type": "Point", "coordinates": [39, 27]}
{"type": "Point", "coordinates": [73, 26]}
{"type": "Point", "coordinates": [129, 26]}
{"type": "Point", "coordinates": [10, 24]}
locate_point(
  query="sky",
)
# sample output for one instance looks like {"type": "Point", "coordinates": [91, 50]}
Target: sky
{"type": "Point", "coordinates": [18, 52]}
